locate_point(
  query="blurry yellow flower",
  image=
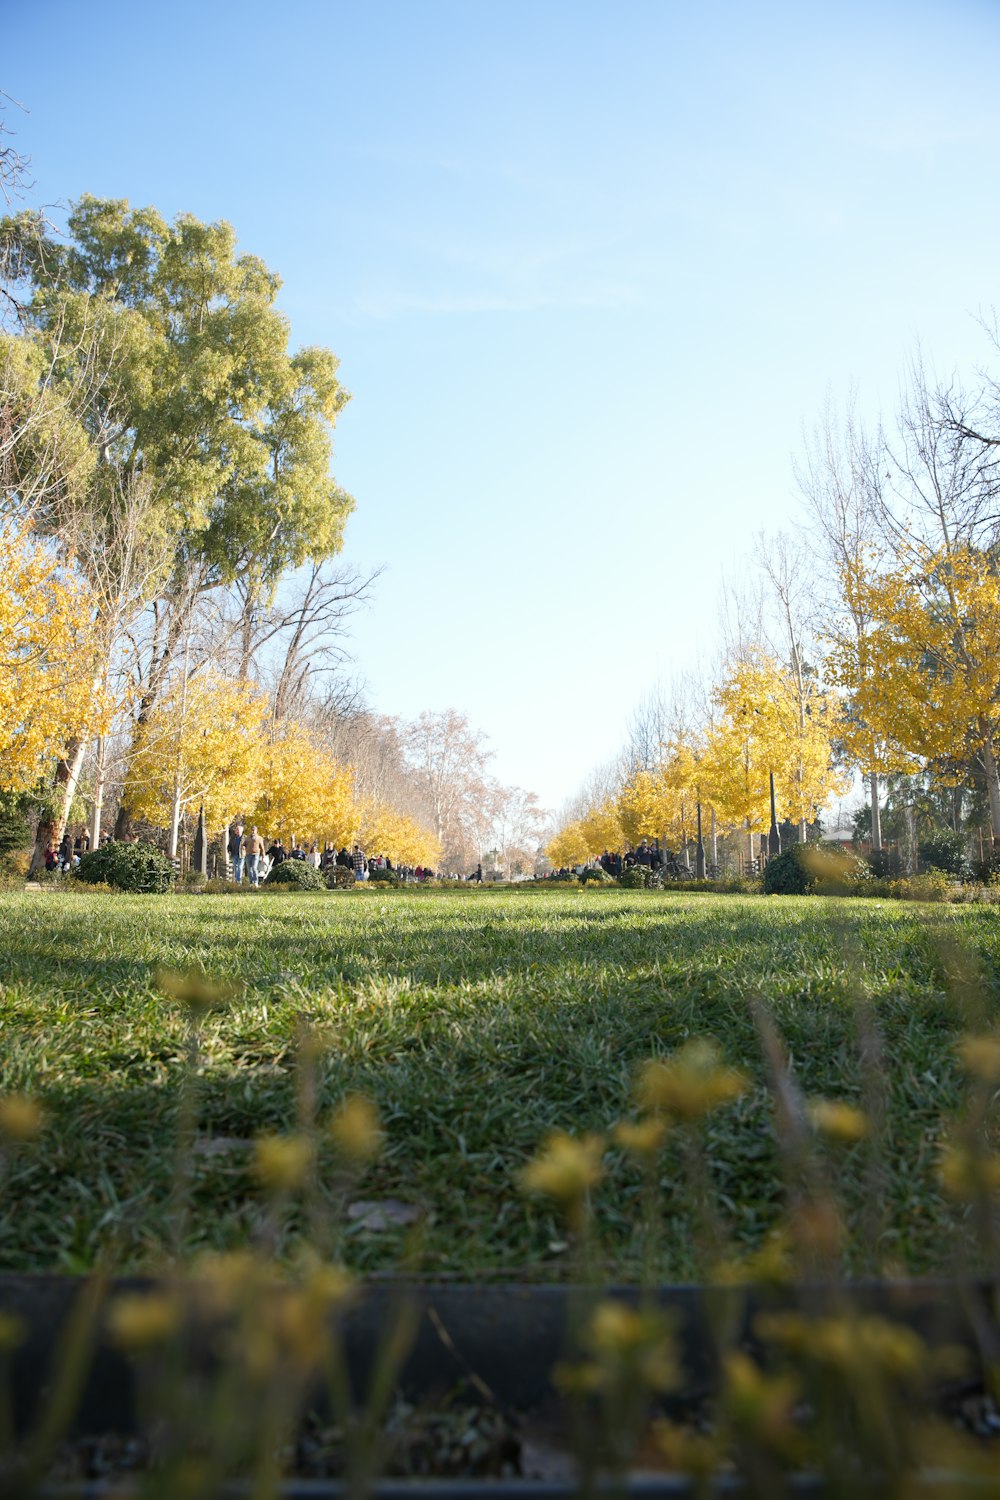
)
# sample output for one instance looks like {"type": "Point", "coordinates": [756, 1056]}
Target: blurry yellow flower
{"type": "Point", "coordinates": [282, 1162]}
{"type": "Point", "coordinates": [566, 1168]}
{"type": "Point", "coordinates": [325, 1284]}
{"type": "Point", "coordinates": [141, 1320]}
{"type": "Point", "coordinates": [980, 1057]}
{"type": "Point", "coordinates": [227, 1280]}
{"type": "Point", "coordinates": [771, 1265]}
{"type": "Point", "coordinates": [631, 1347]}
{"type": "Point", "coordinates": [356, 1129]}
{"type": "Point", "coordinates": [817, 1228]}
{"type": "Point", "coordinates": [642, 1137]}
{"type": "Point", "coordinates": [968, 1175]}
{"type": "Point", "coordinates": [614, 1328]}
{"type": "Point", "coordinates": [301, 1334]}
{"type": "Point", "coordinates": [849, 1345]}
{"type": "Point", "coordinates": [686, 1451]}
{"type": "Point", "coordinates": [841, 1121]}
{"type": "Point", "coordinates": [21, 1118]}
{"type": "Point", "coordinates": [583, 1379]}
{"type": "Point", "coordinates": [12, 1332]}
{"type": "Point", "coordinates": [758, 1404]}
{"type": "Point", "coordinates": [195, 990]}
{"type": "Point", "coordinates": [690, 1084]}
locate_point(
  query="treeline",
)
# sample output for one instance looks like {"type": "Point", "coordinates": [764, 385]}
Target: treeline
{"type": "Point", "coordinates": [172, 614]}
{"type": "Point", "coordinates": [867, 643]}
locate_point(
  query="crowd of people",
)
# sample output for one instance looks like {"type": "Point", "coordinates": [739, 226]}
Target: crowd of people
{"type": "Point", "coordinates": [252, 859]}
{"type": "Point", "coordinates": [614, 863]}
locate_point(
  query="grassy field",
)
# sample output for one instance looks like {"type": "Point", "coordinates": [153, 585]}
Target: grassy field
{"type": "Point", "coordinates": [478, 1021]}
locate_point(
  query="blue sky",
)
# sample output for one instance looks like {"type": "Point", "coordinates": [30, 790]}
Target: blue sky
{"type": "Point", "coordinates": [590, 269]}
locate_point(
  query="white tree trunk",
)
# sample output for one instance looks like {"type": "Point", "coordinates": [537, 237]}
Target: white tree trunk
{"type": "Point", "coordinates": [713, 840]}
{"type": "Point", "coordinates": [876, 814]}
{"type": "Point", "coordinates": [175, 818]}
{"type": "Point", "coordinates": [992, 785]}
{"type": "Point", "coordinates": [98, 807]}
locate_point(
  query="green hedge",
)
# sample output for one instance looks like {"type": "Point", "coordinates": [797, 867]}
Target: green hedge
{"type": "Point", "coordinates": [295, 875]}
{"type": "Point", "coordinates": [127, 867]}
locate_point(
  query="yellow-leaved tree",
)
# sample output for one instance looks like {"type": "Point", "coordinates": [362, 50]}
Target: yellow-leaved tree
{"type": "Point", "coordinates": [924, 683]}
{"type": "Point", "coordinates": [601, 828]}
{"type": "Point", "coordinates": [47, 657]}
{"type": "Point", "coordinates": [767, 722]}
{"type": "Point", "coordinates": [303, 792]}
{"type": "Point", "coordinates": [381, 829]}
{"type": "Point", "coordinates": [568, 848]}
{"type": "Point", "coordinates": [203, 744]}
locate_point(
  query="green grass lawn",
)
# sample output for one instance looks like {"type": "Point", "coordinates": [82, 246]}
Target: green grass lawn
{"type": "Point", "coordinates": [478, 1021]}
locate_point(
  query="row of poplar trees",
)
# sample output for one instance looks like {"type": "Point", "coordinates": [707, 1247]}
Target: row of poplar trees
{"type": "Point", "coordinates": [869, 646]}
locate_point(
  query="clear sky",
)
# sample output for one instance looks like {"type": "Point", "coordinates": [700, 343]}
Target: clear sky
{"type": "Point", "coordinates": [590, 269]}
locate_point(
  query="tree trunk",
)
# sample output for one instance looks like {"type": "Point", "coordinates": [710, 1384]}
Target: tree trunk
{"type": "Point", "coordinates": [876, 814]}
{"type": "Point", "coordinates": [992, 786]}
{"type": "Point", "coordinates": [98, 807]}
{"type": "Point", "coordinates": [175, 819]}
{"type": "Point", "coordinates": [713, 837]}
{"type": "Point", "coordinates": [53, 827]}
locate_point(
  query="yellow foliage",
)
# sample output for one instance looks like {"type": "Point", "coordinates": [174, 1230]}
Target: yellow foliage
{"type": "Point", "coordinates": [205, 739]}
{"type": "Point", "coordinates": [569, 848]}
{"type": "Point", "coordinates": [380, 829]}
{"type": "Point", "coordinates": [47, 659]}
{"type": "Point", "coordinates": [303, 791]}
{"type": "Point", "coordinates": [769, 721]}
{"type": "Point", "coordinates": [924, 678]}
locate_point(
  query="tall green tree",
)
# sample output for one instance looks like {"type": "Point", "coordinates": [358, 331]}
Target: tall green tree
{"type": "Point", "coordinates": [189, 382]}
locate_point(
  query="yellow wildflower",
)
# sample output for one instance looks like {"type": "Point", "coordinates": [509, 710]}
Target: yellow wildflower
{"type": "Point", "coordinates": [356, 1129]}
{"type": "Point", "coordinates": [195, 990]}
{"type": "Point", "coordinates": [967, 1174]}
{"type": "Point", "coordinates": [642, 1137]}
{"type": "Point", "coordinates": [980, 1057]}
{"type": "Point", "coordinates": [690, 1084]}
{"type": "Point", "coordinates": [141, 1320]}
{"type": "Point", "coordinates": [817, 1227]}
{"type": "Point", "coordinates": [224, 1280]}
{"type": "Point", "coordinates": [12, 1332]}
{"type": "Point", "coordinates": [758, 1404]}
{"type": "Point", "coordinates": [282, 1162]}
{"type": "Point", "coordinates": [686, 1451]}
{"type": "Point", "coordinates": [841, 1121]}
{"type": "Point", "coordinates": [615, 1327]}
{"type": "Point", "coordinates": [566, 1169]}
{"type": "Point", "coordinates": [21, 1118]}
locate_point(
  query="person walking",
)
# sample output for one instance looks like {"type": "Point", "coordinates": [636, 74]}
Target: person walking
{"type": "Point", "coordinates": [236, 851]}
{"type": "Point", "coordinates": [254, 846]}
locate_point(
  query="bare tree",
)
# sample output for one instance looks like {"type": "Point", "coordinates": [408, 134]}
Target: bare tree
{"type": "Point", "coordinates": [449, 761]}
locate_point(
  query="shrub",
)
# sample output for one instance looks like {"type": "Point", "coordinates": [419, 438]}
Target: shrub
{"type": "Point", "coordinates": [15, 864]}
{"type": "Point", "coordinates": [14, 831]}
{"type": "Point", "coordinates": [788, 874]}
{"type": "Point", "coordinates": [886, 864]}
{"type": "Point", "coordinates": [339, 878]}
{"type": "Point", "coordinates": [635, 878]}
{"type": "Point", "coordinates": [295, 875]}
{"type": "Point", "coordinates": [945, 850]}
{"type": "Point", "coordinates": [929, 885]}
{"type": "Point", "coordinates": [384, 877]}
{"type": "Point", "coordinates": [127, 867]}
{"type": "Point", "coordinates": [814, 868]}
{"type": "Point", "coordinates": [594, 875]}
